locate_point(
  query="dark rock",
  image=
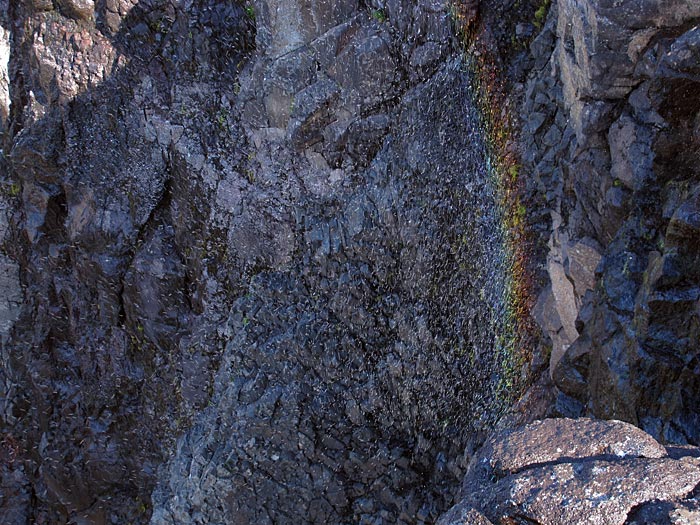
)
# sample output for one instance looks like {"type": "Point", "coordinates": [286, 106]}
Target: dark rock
{"type": "Point", "coordinates": [631, 153]}
{"type": "Point", "coordinates": [284, 26]}
{"type": "Point", "coordinates": [311, 113]}
{"type": "Point", "coordinates": [365, 70]}
{"type": "Point", "coordinates": [290, 258]}
{"type": "Point", "coordinates": [666, 513]}
{"type": "Point", "coordinates": [570, 373]}
{"type": "Point", "coordinates": [346, 321]}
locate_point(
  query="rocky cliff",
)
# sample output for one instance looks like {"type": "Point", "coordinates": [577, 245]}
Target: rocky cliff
{"type": "Point", "coordinates": [255, 270]}
{"type": "Point", "coordinates": [610, 120]}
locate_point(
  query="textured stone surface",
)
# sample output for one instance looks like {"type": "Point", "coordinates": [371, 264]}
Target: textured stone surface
{"type": "Point", "coordinates": [590, 492]}
{"type": "Point", "coordinates": [626, 163]}
{"type": "Point", "coordinates": [463, 514]}
{"type": "Point", "coordinates": [4, 71]}
{"type": "Point", "coordinates": [260, 256]}
{"type": "Point", "coordinates": [264, 233]}
{"type": "Point", "coordinates": [666, 513]}
{"type": "Point", "coordinates": [578, 471]}
{"type": "Point", "coordinates": [583, 258]}
{"type": "Point", "coordinates": [311, 360]}
{"type": "Point", "coordinates": [556, 440]}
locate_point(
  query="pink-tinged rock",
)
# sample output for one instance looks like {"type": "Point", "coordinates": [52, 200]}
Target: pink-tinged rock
{"type": "Point", "coordinates": [591, 492]}
{"type": "Point", "coordinates": [557, 440]}
{"type": "Point", "coordinates": [463, 514]}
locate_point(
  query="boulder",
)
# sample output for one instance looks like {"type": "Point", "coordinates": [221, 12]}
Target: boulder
{"type": "Point", "coordinates": [555, 441]}
{"type": "Point", "coordinates": [78, 9]}
{"type": "Point", "coordinates": [573, 471]}
{"type": "Point", "coordinates": [463, 514]}
{"type": "Point", "coordinates": [586, 492]}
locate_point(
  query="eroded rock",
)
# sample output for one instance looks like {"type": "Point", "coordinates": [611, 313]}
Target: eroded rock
{"type": "Point", "coordinates": [576, 471]}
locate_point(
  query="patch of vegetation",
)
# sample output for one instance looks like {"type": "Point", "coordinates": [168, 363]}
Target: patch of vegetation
{"type": "Point", "coordinates": [14, 189]}
{"type": "Point", "coordinates": [250, 11]}
{"type": "Point", "coordinates": [541, 13]}
{"type": "Point", "coordinates": [513, 172]}
{"type": "Point", "coordinates": [222, 119]}
{"type": "Point", "coordinates": [379, 15]}
{"type": "Point", "coordinates": [250, 175]}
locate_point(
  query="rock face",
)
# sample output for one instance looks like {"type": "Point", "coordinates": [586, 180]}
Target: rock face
{"type": "Point", "coordinates": [576, 471]}
{"type": "Point", "coordinates": [252, 267]}
{"type": "Point", "coordinates": [615, 83]}
{"type": "Point", "coordinates": [325, 408]}
{"type": "Point", "coordinates": [262, 264]}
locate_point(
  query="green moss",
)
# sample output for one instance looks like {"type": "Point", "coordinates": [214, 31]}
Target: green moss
{"type": "Point", "coordinates": [222, 119]}
{"type": "Point", "coordinates": [379, 15]}
{"type": "Point", "coordinates": [541, 13]}
{"type": "Point", "coordinates": [250, 11]}
{"type": "Point", "coordinates": [519, 214]}
{"type": "Point", "coordinates": [513, 172]}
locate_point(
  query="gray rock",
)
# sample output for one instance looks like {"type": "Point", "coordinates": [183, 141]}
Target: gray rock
{"type": "Point", "coordinates": [311, 112]}
{"type": "Point", "coordinates": [666, 513]}
{"type": "Point", "coordinates": [564, 302]}
{"type": "Point", "coordinates": [631, 153]}
{"type": "Point", "coordinates": [594, 491]}
{"type": "Point", "coordinates": [4, 77]}
{"type": "Point", "coordinates": [11, 296]}
{"type": "Point", "coordinates": [295, 333]}
{"type": "Point", "coordinates": [582, 259]}
{"type": "Point", "coordinates": [564, 470]}
{"type": "Point", "coordinates": [571, 371]}
{"type": "Point", "coordinates": [285, 26]}
{"type": "Point", "coordinates": [365, 70]}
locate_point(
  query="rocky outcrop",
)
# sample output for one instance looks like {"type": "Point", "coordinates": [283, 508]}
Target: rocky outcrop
{"type": "Point", "coordinates": [262, 258]}
{"type": "Point", "coordinates": [612, 150]}
{"type": "Point", "coordinates": [252, 267]}
{"type": "Point", "coordinates": [577, 471]}
{"type": "Point", "coordinates": [326, 408]}
{"type": "Point", "coordinates": [114, 244]}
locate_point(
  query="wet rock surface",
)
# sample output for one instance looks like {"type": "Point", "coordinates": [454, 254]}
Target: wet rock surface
{"type": "Point", "coordinates": [324, 404]}
{"type": "Point", "coordinates": [252, 268]}
{"type": "Point", "coordinates": [257, 243]}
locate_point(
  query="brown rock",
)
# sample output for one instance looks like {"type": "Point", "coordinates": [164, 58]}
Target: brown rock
{"type": "Point", "coordinates": [557, 440]}
{"type": "Point", "coordinates": [583, 258]}
{"type": "Point", "coordinates": [78, 9]}
{"type": "Point", "coordinates": [463, 514]}
{"type": "Point", "coordinates": [599, 492]}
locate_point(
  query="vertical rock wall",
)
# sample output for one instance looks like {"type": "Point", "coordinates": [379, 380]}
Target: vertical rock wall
{"type": "Point", "coordinates": [610, 127]}
{"type": "Point", "coordinates": [264, 281]}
